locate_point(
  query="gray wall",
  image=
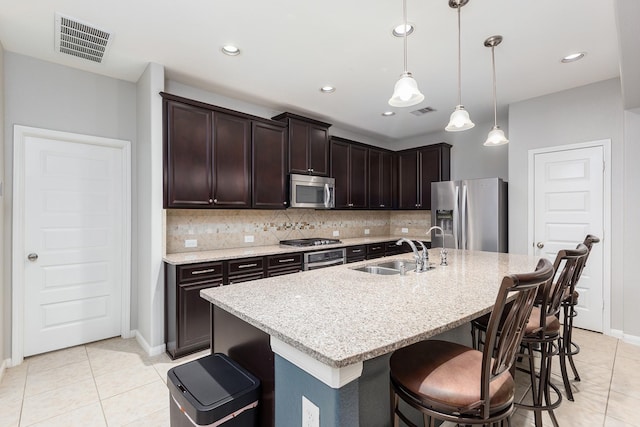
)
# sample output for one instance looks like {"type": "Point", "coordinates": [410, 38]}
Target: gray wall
{"type": "Point", "coordinates": [149, 237]}
{"type": "Point", "coordinates": [45, 95]}
{"type": "Point", "coordinates": [583, 114]}
{"type": "Point", "coordinates": [631, 226]}
{"type": "Point", "coordinates": [4, 313]}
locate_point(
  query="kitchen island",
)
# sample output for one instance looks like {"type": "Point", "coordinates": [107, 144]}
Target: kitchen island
{"type": "Point", "coordinates": [332, 330]}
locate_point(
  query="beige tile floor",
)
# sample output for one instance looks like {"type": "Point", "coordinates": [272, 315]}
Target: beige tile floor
{"type": "Point", "coordinates": [113, 383]}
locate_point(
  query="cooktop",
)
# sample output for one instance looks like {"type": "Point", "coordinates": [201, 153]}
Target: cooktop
{"type": "Point", "coordinates": [313, 241]}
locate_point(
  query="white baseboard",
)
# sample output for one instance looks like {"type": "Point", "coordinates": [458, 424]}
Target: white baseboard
{"type": "Point", "coordinates": [151, 351]}
{"type": "Point", "coordinates": [617, 333]}
{"type": "Point", "coordinates": [3, 368]}
{"type": "Point", "coordinates": [629, 339]}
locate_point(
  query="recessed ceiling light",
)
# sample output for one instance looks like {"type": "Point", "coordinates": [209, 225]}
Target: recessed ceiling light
{"type": "Point", "coordinates": [399, 30]}
{"type": "Point", "coordinates": [573, 57]}
{"type": "Point", "coordinates": [327, 89]}
{"type": "Point", "coordinates": [388, 113]}
{"type": "Point", "coordinates": [230, 50]}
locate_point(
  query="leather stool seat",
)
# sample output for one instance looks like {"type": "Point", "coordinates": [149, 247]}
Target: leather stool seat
{"type": "Point", "coordinates": [445, 376]}
{"type": "Point", "coordinates": [533, 326]}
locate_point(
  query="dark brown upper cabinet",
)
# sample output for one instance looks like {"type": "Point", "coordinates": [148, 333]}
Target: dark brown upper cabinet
{"type": "Point", "coordinates": [231, 161]}
{"type": "Point", "coordinates": [208, 153]}
{"type": "Point", "coordinates": [308, 144]}
{"type": "Point", "coordinates": [417, 169]}
{"type": "Point", "coordinates": [382, 179]}
{"type": "Point", "coordinates": [269, 166]}
{"type": "Point", "coordinates": [188, 155]}
{"type": "Point", "coordinates": [349, 168]}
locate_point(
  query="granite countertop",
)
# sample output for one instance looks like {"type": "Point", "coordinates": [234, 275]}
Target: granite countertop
{"type": "Point", "coordinates": [234, 253]}
{"type": "Point", "coordinates": [340, 316]}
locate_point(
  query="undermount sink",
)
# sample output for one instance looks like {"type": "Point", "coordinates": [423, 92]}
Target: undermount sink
{"type": "Point", "coordinates": [388, 268]}
{"type": "Point", "coordinates": [374, 269]}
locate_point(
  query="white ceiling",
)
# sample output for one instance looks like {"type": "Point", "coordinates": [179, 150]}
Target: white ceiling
{"type": "Point", "coordinates": [290, 48]}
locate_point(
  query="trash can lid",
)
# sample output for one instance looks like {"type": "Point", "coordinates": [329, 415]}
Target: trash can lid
{"type": "Point", "coordinates": [214, 379]}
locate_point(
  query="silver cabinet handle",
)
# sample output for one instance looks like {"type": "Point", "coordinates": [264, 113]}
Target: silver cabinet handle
{"type": "Point", "coordinates": [209, 270]}
{"type": "Point", "coordinates": [286, 260]}
{"type": "Point", "coordinates": [33, 257]}
{"type": "Point", "coordinates": [356, 251]}
{"type": "Point", "coordinates": [248, 265]}
{"type": "Point", "coordinates": [540, 245]}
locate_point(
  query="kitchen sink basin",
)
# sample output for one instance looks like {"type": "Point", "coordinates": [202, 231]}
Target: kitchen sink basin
{"type": "Point", "coordinates": [374, 269]}
{"type": "Point", "coordinates": [398, 264]}
{"type": "Point", "coordinates": [388, 267]}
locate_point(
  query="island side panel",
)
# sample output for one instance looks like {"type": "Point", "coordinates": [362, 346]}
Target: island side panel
{"type": "Point", "coordinates": [338, 407]}
{"type": "Point", "coordinates": [250, 347]}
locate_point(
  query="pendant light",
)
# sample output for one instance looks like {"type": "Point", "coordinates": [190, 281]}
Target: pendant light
{"type": "Point", "coordinates": [496, 135]}
{"type": "Point", "coordinates": [459, 119]}
{"type": "Point", "coordinates": [405, 92]}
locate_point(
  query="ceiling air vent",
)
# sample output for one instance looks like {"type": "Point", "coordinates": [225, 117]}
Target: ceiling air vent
{"type": "Point", "coordinates": [422, 111]}
{"type": "Point", "coordinates": [80, 39]}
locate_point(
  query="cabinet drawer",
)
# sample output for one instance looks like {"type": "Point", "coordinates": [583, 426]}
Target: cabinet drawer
{"type": "Point", "coordinates": [239, 278]}
{"type": "Point", "coordinates": [200, 272]}
{"type": "Point", "coordinates": [292, 261]}
{"type": "Point", "coordinates": [245, 265]}
{"type": "Point", "coordinates": [391, 248]}
{"type": "Point", "coordinates": [375, 248]}
{"type": "Point", "coordinates": [284, 271]}
{"type": "Point", "coordinates": [356, 253]}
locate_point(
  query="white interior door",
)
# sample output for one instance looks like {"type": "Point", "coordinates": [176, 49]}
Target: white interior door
{"type": "Point", "coordinates": [568, 205]}
{"type": "Point", "coordinates": [74, 235]}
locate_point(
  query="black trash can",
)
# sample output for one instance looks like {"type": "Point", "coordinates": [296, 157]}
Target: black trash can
{"type": "Point", "coordinates": [213, 391]}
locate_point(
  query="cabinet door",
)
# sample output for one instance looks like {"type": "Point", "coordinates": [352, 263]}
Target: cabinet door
{"type": "Point", "coordinates": [318, 150]}
{"type": "Point", "coordinates": [193, 317]}
{"type": "Point", "coordinates": [434, 166]}
{"type": "Point", "coordinates": [340, 171]}
{"type": "Point", "coordinates": [408, 174]}
{"type": "Point", "coordinates": [298, 147]}
{"type": "Point", "coordinates": [232, 161]}
{"type": "Point", "coordinates": [358, 176]}
{"type": "Point", "coordinates": [269, 166]}
{"type": "Point", "coordinates": [187, 156]}
{"type": "Point", "coordinates": [380, 179]}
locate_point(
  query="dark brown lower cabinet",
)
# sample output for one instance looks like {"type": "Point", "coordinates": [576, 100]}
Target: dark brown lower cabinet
{"type": "Point", "coordinates": [187, 315]}
{"type": "Point", "coordinates": [356, 253]}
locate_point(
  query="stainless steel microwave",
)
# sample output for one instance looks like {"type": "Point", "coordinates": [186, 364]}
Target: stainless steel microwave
{"type": "Point", "coordinates": [315, 192]}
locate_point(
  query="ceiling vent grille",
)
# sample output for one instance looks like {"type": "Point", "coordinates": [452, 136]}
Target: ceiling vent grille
{"type": "Point", "coordinates": [422, 111]}
{"type": "Point", "coordinates": [80, 39]}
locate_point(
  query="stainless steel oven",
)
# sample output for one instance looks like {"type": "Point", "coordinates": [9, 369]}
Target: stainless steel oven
{"type": "Point", "coordinates": [324, 258]}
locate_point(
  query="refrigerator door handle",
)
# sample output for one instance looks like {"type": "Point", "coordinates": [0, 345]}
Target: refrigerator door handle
{"type": "Point", "coordinates": [463, 220]}
{"type": "Point", "coordinates": [456, 220]}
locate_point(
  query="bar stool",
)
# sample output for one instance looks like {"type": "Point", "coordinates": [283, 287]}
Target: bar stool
{"type": "Point", "coordinates": [542, 332]}
{"type": "Point", "coordinates": [568, 348]}
{"type": "Point", "coordinates": [451, 382]}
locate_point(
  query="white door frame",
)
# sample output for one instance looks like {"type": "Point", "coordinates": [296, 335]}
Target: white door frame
{"type": "Point", "coordinates": [606, 219]}
{"type": "Point", "coordinates": [18, 231]}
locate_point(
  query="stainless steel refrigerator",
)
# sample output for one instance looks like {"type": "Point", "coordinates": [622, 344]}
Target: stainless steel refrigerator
{"type": "Point", "coordinates": [472, 213]}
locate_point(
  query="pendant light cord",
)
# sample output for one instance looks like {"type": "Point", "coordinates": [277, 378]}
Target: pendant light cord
{"type": "Point", "coordinates": [495, 104]}
{"type": "Point", "coordinates": [404, 17]}
{"type": "Point", "coordinates": [459, 60]}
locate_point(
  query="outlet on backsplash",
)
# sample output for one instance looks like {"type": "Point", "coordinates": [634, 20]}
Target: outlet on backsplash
{"type": "Point", "coordinates": [191, 243]}
{"type": "Point", "coordinates": [366, 231]}
{"type": "Point", "coordinates": [405, 230]}
{"type": "Point", "coordinates": [248, 239]}
{"type": "Point", "coordinates": [336, 233]}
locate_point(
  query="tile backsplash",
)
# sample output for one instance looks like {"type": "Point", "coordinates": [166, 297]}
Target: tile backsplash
{"type": "Point", "coordinates": [226, 228]}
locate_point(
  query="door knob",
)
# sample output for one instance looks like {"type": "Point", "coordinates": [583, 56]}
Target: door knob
{"type": "Point", "coordinates": [540, 245]}
{"type": "Point", "coordinates": [32, 257]}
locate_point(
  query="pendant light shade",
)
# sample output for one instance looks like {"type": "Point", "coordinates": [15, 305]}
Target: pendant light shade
{"type": "Point", "coordinates": [496, 135]}
{"type": "Point", "coordinates": [405, 92]}
{"type": "Point", "coordinates": [459, 119]}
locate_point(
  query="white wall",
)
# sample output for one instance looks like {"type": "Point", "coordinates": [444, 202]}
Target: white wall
{"type": "Point", "coordinates": [631, 279]}
{"type": "Point", "coordinates": [45, 95]}
{"type": "Point", "coordinates": [4, 319]}
{"type": "Point", "coordinates": [149, 237]}
{"type": "Point", "coordinates": [582, 114]}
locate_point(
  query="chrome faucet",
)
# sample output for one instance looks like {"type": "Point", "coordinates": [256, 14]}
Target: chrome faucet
{"type": "Point", "coordinates": [443, 251]}
{"type": "Point", "coordinates": [421, 261]}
